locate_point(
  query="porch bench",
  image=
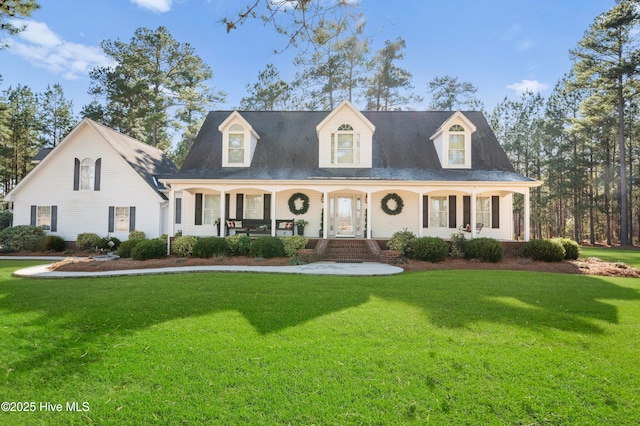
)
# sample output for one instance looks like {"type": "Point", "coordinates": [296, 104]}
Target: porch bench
{"type": "Point", "coordinates": [467, 228]}
{"type": "Point", "coordinates": [258, 226]}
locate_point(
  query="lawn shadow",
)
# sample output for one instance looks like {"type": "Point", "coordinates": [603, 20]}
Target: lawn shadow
{"type": "Point", "coordinates": [71, 314]}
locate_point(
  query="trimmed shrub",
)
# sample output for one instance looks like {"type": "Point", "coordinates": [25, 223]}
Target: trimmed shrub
{"type": "Point", "coordinates": [458, 244]}
{"type": "Point", "coordinates": [402, 241]}
{"type": "Point", "coordinates": [545, 250]}
{"type": "Point", "coordinates": [126, 247]}
{"type": "Point", "coordinates": [571, 248]}
{"type": "Point", "coordinates": [88, 241]}
{"type": "Point", "coordinates": [137, 235]}
{"type": "Point", "coordinates": [210, 246]}
{"type": "Point", "coordinates": [149, 249]}
{"type": "Point", "coordinates": [104, 244]}
{"type": "Point", "coordinates": [267, 247]}
{"type": "Point", "coordinates": [54, 243]}
{"type": "Point", "coordinates": [293, 243]}
{"type": "Point", "coordinates": [432, 249]}
{"type": "Point", "coordinates": [22, 238]}
{"type": "Point", "coordinates": [238, 244]}
{"type": "Point", "coordinates": [6, 217]}
{"type": "Point", "coordinates": [484, 250]}
{"type": "Point", "coordinates": [183, 246]}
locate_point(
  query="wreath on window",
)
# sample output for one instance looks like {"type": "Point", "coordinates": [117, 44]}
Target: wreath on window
{"type": "Point", "coordinates": [385, 204]}
{"type": "Point", "coordinates": [292, 203]}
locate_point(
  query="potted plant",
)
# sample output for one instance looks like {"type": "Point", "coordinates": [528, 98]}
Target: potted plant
{"type": "Point", "coordinates": [301, 224]}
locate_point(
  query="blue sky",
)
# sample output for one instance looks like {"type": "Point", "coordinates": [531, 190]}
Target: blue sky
{"type": "Point", "coordinates": [501, 46]}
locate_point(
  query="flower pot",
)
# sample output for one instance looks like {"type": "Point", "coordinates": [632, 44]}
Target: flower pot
{"type": "Point", "coordinates": [300, 230]}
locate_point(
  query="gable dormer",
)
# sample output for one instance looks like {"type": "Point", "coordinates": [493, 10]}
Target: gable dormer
{"type": "Point", "coordinates": [239, 141]}
{"type": "Point", "coordinates": [453, 142]}
{"type": "Point", "coordinates": [345, 138]}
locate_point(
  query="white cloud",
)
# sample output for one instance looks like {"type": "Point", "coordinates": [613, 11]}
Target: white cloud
{"type": "Point", "coordinates": [43, 48]}
{"type": "Point", "coordinates": [160, 6]}
{"type": "Point", "coordinates": [533, 86]}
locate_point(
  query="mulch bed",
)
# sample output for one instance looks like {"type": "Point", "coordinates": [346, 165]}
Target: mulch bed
{"type": "Point", "coordinates": [590, 266]}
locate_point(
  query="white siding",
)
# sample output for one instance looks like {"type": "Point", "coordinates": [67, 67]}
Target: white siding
{"type": "Point", "coordinates": [384, 225]}
{"type": "Point", "coordinates": [88, 210]}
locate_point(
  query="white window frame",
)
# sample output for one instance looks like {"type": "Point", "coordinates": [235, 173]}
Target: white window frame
{"type": "Point", "coordinates": [87, 174]}
{"type": "Point", "coordinates": [439, 211]}
{"type": "Point", "coordinates": [121, 219]}
{"type": "Point", "coordinates": [345, 130]}
{"type": "Point", "coordinates": [210, 208]}
{"type": "Point", "coordinates": [483, 211]}
{"type": "Point", "coordinates": [253, 206]}
{"type": "Point", "coordinates": [236, 131]}
{"type": "Point", "coordinates": [457, 132]}
{"type": "Point", "coordinates": [43, 217]}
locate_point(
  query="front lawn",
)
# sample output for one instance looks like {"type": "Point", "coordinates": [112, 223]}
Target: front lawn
{"type": "Point", "coordinates": [438, 347]}
{"type": "Point", "coordinates": [629, 257]}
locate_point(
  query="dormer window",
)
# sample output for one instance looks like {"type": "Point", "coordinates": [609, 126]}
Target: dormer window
{"type": "Point", "coordinates": [456, 145]}
{"type": "Point", "coordinates": [452, 142]}
{"type": "Point", "coordinates": [236, 144]}
{"type": "Point", "coordinates": [239, 141]}
{"type": "Point", "coordinates": [345, 145]}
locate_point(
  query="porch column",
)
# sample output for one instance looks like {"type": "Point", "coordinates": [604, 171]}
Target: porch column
{"type": "Point", "coordinates": [223, 208]}
{"type": "Point", "coordinates": [172, 218]}
{"type": "Point", "coordinates": [527, 215]}
{"type": "Point", "coordinates": [369, 218]}
{"type": "Point", "coordinates": [325, 219]}
{"type": "Point", "coordinates": [273, 214]}
{"type": "Point", "coordinates": [420, 210]}
{"type": "Point", "coordinates": [473, 212]}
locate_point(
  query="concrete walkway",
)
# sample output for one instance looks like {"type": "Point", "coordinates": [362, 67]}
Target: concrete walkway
{"type": "Point", "coordinates": [318, 268]}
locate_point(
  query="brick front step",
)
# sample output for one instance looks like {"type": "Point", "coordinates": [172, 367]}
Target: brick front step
{"type": "Point", "coordinates": [347, 251]}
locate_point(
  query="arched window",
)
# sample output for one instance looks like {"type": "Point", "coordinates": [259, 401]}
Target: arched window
{"type": "Point", "coordinates": [345, 145]}
{"type": "Point", "coordinates": [87, 173]}
{"type": "Point", "coordinates": [456, 145]}
{"type": "Point", "coordinates": [236, 144]}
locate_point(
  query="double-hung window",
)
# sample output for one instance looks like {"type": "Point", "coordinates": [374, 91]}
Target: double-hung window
{"type": "Point", "coordinates": [483, 210]}
{"type": "Point", "coordinates": [456, 145]}
{"type": "Point", "coordinates": [438, 217]}
{"type": "Point", "coordinates": [345, 146]}
{"type": "Point", "coordinates": [236, 144]}
{"type": "Point", "coordinates": [211, 209]}
{"type": "Point", "coordinates": [253, 207]}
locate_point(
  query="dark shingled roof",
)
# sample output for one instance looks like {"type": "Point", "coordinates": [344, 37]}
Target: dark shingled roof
{"type": "Point", "coordinates": [402, 149]}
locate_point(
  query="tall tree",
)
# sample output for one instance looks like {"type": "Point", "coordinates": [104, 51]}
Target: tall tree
{"type": "Point", "coordinates": [447, 94]}
{"type": "Point", "coordinates": [152, 73]}
{"type": "Point", "coordinates": [607, 57]}
{"type": "Point", "coordinates": [269, 93]}
{"type": "Point", "coordinates": [55, 115]}
{"type": "Point", "coordinates": [20, 142]}
{"type": "Point", "coordinates": [387, 86]}
{"type": "Point", "coordinates": [10, 10]}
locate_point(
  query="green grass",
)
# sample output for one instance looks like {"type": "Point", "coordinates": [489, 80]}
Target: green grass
{"type": "Point", "coordinates": [439, 347]}
{"type": "Point", "coordinates": [629, 257]}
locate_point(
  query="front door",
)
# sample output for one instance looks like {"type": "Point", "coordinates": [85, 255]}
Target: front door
{"type": "Point", "coordinates": [345, 220]}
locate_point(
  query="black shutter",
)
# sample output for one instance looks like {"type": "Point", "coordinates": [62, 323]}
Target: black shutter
{"type": "Point", "coordinates": [34, 212]}
{"type": "Point", "coordinates": [425, 211]}
{"type": "Point", "coordinates": [239, 206]}
{"type": "Point", "coordinates": [466, 211]}
{"type": "Point", "coordinates": [452, 211]}
{"type": "Point", "coordinates": [495, 211]}
{"type": "Point", "coordinates": [76, 174]}
{"type": "Point", "coordinates": [178, 210]}
{"type": "Point", "coordinates": [96, 180]}
{"type": "Point", "coordinates": [132, 219]}
{"type": "Point", "coordinates": [198, 217]}
{"type": "Point", "coordinates": [266, 212]}
{"type": "Point", "coordinates": [54, 218]}
{"type": "Point", "coordinates": [112, 218]}
{"type": "Point", "coordinates": [227, 202]}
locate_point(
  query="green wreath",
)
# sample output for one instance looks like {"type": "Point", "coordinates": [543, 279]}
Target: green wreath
{"type": "Point", "coordinates": [292, 203]}
{"type": "Point", "coordinates": [385, 204]}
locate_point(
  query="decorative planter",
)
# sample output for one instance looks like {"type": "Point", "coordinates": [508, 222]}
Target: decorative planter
{"type": "Point", "coordinates": [300, 230]}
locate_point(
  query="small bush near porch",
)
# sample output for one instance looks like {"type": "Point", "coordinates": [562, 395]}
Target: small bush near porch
{"type": "Point", "coordinates": [440, 347]}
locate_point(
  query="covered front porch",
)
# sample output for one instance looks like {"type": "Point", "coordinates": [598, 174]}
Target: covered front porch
{"type": "Point", "coordinates": [347, 209]}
